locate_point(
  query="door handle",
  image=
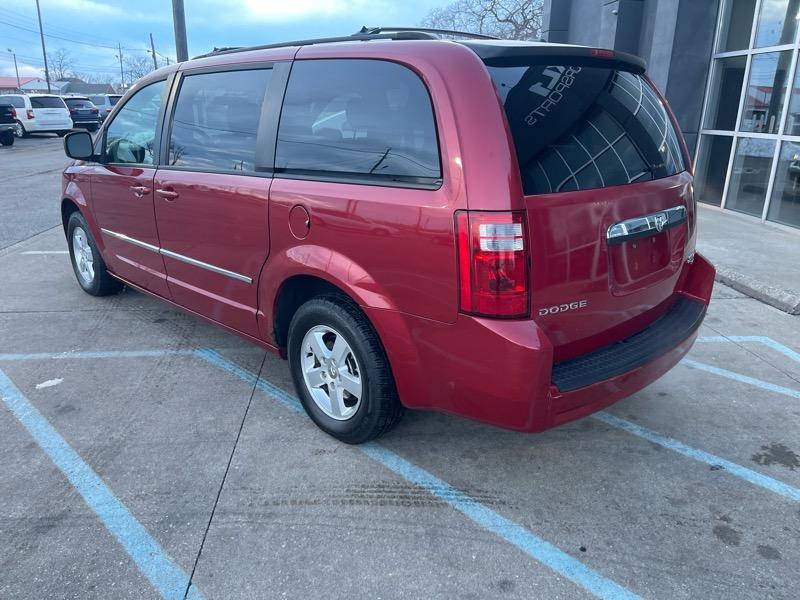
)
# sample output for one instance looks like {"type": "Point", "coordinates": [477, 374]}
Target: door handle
{"type": "Point", "coordinates": [167, 194]}
{"type": "Point", "coordinates": [139, 190]}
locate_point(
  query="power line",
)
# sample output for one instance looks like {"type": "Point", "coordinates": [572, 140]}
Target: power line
{"type": "Point", "coordinates": [18, 16]}
{"type": "Point", "coordinates": [66, 39]}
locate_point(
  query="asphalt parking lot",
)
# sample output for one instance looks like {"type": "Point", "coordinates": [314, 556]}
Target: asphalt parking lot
{"type": "Point", "coordinates": [145, 454]}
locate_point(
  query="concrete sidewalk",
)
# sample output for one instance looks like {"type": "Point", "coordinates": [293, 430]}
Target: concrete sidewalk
{"type": "Point", "coordinates": [760, 260]}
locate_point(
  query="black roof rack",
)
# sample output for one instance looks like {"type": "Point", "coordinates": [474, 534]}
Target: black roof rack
{"type": "Point", "coordinates": [364, 34]}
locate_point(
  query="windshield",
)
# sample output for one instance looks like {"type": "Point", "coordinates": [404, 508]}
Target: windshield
{"type": "Point", "coordinates": [46, 102]}
{"type": "Point", "coordinates": [578, 127]}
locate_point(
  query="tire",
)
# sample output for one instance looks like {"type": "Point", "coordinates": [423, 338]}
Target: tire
{"type": "Point", "coordinates": [20, 131]}
{"type": "Point", "coordinates": [7, 138]}
{"type": "Point", "coordinates": [92, 276]}
{"type": "Point", "coordinates": [325, 320]}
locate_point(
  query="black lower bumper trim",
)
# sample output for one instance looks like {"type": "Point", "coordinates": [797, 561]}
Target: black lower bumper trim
{"type": "Point", "coordinates": [660, 337]}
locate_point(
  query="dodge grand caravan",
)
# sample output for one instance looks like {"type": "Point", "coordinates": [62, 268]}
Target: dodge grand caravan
{"type": "Point", "coordinates": [499, 230]}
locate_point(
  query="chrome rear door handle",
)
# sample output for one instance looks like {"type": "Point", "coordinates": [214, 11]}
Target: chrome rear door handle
{"type": "Point", "coordinates": [168, 194]}
{"type": "Point", "coordinates": [139, 190]}
{"type": "Point", "coordinates": [646, 225]}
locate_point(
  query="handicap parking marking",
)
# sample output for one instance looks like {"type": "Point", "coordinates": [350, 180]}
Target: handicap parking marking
{"type": "Point", "coordinates": [483, 516]}
{"type": "Point", "coordinates": [163, 573]}
{"type": "Point", "coordinates": [733, 468]}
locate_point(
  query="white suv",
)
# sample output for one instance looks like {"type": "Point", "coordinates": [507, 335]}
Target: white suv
{"type": "Point", "coordinates": [39, 113]}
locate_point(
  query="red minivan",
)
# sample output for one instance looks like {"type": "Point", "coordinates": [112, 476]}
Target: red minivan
{"type": "Point", "coordinates": [493, 229]}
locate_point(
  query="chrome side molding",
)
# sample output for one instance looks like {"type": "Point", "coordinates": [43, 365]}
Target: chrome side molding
{"type": "Point", "coordinates": [646, 225]}
{"type": "Point", "coordinates": [176, 256]}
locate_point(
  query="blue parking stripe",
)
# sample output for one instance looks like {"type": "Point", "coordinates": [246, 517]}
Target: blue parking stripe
{"type": "Point", "coordinates": [764, 385]}
{"type": "Point", "coordinates": [166, 576]}
{"type": "Point", "coordinates": [762, 339]}
{"type": "Point", "coordinates": [101, 354]}
{"type": "Point", "coordinates": [749, 475]}
{"type": "Point", "coordinates": [516, 535]}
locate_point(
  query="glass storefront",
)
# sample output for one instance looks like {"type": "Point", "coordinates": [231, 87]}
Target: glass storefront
{"type": "Point", "coordinates": [748, 154]}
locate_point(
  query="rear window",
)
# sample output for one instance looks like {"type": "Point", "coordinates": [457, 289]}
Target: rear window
{"type": "Point", "coordinates": [47, 102]}
{"type": "Point", "coordinates": [114, 99]}
{"type": "Point", "coordinates": [78, 103]}
{"type": "Point", "coordinates": [358, 118]}
{"type": "Point", "coordinates": [578, 127]}
{"type": "Point", "coordinates": [15, 101]}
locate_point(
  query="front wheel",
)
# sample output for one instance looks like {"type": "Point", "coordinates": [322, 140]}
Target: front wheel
{"type": "Point", "coordinates": [90, 270]}
{"type": "Point", "coordinates": [341, 372]}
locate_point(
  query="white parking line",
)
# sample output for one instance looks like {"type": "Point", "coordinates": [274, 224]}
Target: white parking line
{"type": "Point", "coordinates": [45, 252]}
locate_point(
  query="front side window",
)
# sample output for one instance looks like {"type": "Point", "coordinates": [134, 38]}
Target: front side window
{"type": "Point", "coordinates": [353, 117]}
{"type": "Point", "coordinates": [216, 119]}
{"type": "Point", "coordinates": [580, 127]}
{"type": "Point", "coordinates": [131, 136]}
{"type": "Point", "coordinates": [47, 102]}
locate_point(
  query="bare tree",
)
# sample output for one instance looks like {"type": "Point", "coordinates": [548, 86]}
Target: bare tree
{"type": "Point", "coordinates": [137, 66]}
{"type": "Point", "coordinates": [60, 63]}
{"type": "Point", "coordinates": [507, 19]}
{"type": "Point", "coordinates": [91, 77]}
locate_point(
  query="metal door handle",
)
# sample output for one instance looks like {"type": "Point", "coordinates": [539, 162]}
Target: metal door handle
{"type": "Point", "coordinates": [168, 194]}
{"type": "Point", "coordinates": [139, 190]}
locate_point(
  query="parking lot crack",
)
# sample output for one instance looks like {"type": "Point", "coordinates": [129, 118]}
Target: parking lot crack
{"type": "Point", "coordinates": [224, 476]}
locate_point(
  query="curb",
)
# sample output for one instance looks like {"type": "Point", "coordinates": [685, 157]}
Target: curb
{"type": "Point", "coordinates": [786, 300]}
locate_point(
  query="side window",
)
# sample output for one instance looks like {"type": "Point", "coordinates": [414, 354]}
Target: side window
{"type": "Point", "coordinates": [215, 122]}
{"type": "Point", "coordinates": [361, 117]}
{"type": "Point", "coordinates": [130, 138]}
{"type": "Point", "coordinates": [16, 101]}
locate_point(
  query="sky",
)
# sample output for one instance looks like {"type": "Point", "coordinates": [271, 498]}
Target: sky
{"type": "Point", "coordinates": [90, 30]}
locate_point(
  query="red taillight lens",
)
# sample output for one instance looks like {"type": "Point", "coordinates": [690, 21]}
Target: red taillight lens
{"type": "Point", "coordinates": [13, 113]}
{"type": "Point", "coordinates": [72, 109]}
{"type": "Point", "coordinates": [29, 113]}
{"type": "Point", "coordinates": [95, 111]}
{"type": "Point", "coordinates": [108, 109]}
{"type": "Point", "coordinates": [493, 263]}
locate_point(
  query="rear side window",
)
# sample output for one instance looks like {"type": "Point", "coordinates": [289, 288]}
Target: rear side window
{"type": "Point", "coordinates": [353, 117]}
{"type": "Point", "coordinates": [578, 127]}
{"type": "Point", "coordinates": [216, 118]}
{"type": "Point", "coordinates": [47, 102]}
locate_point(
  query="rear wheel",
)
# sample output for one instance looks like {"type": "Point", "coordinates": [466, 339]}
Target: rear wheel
{"type": "Point", "coordinates": [20, 130]}
{"type": "Point", "coordinates": [90, 270]}
{"type": "Point", "coordinates": [340, 371]}
{"type": "Point", "coordinates": [7, 138]}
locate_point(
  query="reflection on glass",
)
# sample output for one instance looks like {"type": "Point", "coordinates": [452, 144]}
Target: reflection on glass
{"type": "Point", "coordinates": [777, 22]}
{"type": "Point", "coordinates": [712, 166]}
{"type": "Point", "coordinates": [748, 187]}
{"type": "Point", "coordinates": [766, 90]}
{"type": "Point", "coordinates": [737, 23]}
{"type": "Point", "coordinates": [785, 204]}
{"type": "Point", "coordinates": [793, 118]}
{"type": "Point", "coordinates": [726, 89]}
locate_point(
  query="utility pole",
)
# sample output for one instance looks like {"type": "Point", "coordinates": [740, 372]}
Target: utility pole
{"type": "Point", "coordinates": [16, 70]}
{"type": "Point", "coordinates": [179, 23]}
{"type": "Point", "coordinates": [121, 72]}
{"type": "Point", "coordinates": [153, 50]}
{"type": "Point", "coordinates": [44, 51]}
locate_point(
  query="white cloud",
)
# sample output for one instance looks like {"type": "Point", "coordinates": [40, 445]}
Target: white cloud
{"type": "Point", "coordinates": [25, 70]}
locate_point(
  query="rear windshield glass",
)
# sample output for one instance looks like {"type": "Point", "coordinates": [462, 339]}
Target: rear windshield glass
{"type": "Point", "coordinates": [78, 103]}
{"type": "Point", "coordinates": [579, 127]}
{"type": "Point", "coordinates": [47, 102]}
{"type": "Point", "coordinates": [114, 100]}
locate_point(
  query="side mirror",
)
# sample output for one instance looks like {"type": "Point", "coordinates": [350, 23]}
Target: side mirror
{"type": "Point", "coordinates": [78, 145]}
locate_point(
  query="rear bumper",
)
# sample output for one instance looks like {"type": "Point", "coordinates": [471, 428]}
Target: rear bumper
{"type": "Point", "coordinates": [502, 372]}
{"type": "Point", "coordinates": [33, 126]}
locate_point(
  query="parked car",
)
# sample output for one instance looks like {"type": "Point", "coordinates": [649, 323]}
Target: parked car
{"type": "Point", "coordinates": [39, 113]}
{"type": "Point", "coordinates": [83, 112]}
{"type": "Point", "coordinates": [105, 103]}
{"type": "Point", "coordinates": [8, 124]}
{"type": "Point", "coordinates": [499, 230]}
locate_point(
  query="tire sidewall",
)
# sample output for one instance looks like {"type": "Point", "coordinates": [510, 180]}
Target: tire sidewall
{"type": "Point", "coordinates": [325, 312]}
{"type": "Point", "coordinates": [76, 220]}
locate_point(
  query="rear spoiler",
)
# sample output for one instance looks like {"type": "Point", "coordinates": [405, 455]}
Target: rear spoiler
{"type": "Point", "coordinates": [514, 55]}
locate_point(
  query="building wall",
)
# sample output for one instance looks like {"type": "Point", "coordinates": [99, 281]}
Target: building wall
{"type": "Point", "coordinates": [675, 37]}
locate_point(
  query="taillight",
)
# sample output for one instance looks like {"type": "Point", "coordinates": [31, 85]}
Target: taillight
{"type": "Point", "coordinates": [73, 110]}
{"type": "Point", "coordinates": [95, 111]}
{"type": "Point", "coordinates": [108, 109]}
{"type": "Point", "coordinates": [493, 263]}
{"type": "Point", "coordinates": [29, 112]}
{"type": "Point", "coordinates": [13, 113]}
